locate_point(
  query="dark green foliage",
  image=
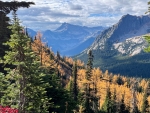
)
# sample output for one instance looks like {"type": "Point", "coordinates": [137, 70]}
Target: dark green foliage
{"type": "Point", "coordinates": [26, 89]}
{"type": "Point", "coordinates": [148, 7]}
{"type": "Point", "coordinates": [75, 87]}
{"type": "Point", "coordinates": [5, 8]}
{"type": "Point", "coordinates": [122, 106]}
{"type": "Point", "coordinates": [120, 81]}
{"type": "Point", "coordinates": [89, 65]}
{"type": "Point", "coordinates": [87, 103]}
{"type": "Point", "coordinates": [3, 85]}
{"type": "Point", "coordinates": [114, 103]}
{"type": "Point", "coordinates": [87, 99]}
{"type": "Point", "coordinates": [107, 106]}
{"type": "Point", "coordinates": [61, 100]}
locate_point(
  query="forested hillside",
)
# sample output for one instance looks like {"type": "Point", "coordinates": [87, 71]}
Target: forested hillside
{"type": "Point", "coordinates": [35, 80]}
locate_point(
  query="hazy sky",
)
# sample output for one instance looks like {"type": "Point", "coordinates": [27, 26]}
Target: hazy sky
{"type": "Point", "coordinates": [49, 14]}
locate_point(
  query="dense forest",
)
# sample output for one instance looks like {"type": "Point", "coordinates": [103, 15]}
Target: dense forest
{"type": "Point", "coordinates": [35, 80]}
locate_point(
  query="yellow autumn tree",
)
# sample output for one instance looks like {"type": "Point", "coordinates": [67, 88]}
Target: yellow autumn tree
{"type": "Point", "coordinates": [43, 51]}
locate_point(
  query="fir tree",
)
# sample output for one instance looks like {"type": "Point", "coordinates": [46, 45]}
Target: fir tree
{"type": "Point", "coordinates": [87, 85]}
{"type": "Point", "coordinates": [3, 85]}
{"type": "Point", "coordinates": [89, 65]}
{"type": "Point", "coordinates": [6, 8]}
{"type": "Point", "coordinates": [75, 87]}
{"type": "Point", "coordinates": [26, 90]}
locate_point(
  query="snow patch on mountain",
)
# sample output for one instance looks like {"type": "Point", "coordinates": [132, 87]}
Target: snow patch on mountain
{"type": "Point", "coordinates": [131, 46]}
{"type": "Point", "coordinates": [116, 45]}
{"type": "Point", "coordinates": [121, 50]}
{"type": "Point", "coordinates": [136, 51]}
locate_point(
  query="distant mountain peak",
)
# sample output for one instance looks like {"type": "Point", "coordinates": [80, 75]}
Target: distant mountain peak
{"type": "Point", "coordinates": [126, 16]}
{"type": "Point", "coordinates": [64, 27]}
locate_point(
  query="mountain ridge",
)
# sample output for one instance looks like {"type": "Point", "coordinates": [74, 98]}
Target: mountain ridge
{"type": "Point", "coordinates": [70, 37]}
{"type": "Point", "coordinates": [120, 47]}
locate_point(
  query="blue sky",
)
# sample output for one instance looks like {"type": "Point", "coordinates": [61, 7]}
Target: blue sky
{"type": "Point", "coordinates": [50, 14]}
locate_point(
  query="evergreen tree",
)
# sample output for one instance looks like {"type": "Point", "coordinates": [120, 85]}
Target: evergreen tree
{"type": "Point", "coordinates": [89, 65]}
{"type": "Point", "coordinates": [6, 8]}
{"type": "Point", "coordinates": [88, 96]}
{"type": "Point", "coordinates": [107, 106]}
{"type": "Point", "coordinates": [3, 85]}
{"type": "Point", "coordinates": [75, 87]}
{"type": "Point", "coordinates": [26, 90]}
{"type": "Point", "coordinates": [148, 7]}
{"type": "Point", "coordinates": [122, 105]}
{"type": "Point", "coordinates": [114, 103]}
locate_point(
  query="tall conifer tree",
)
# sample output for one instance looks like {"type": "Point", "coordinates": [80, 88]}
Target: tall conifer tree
{"type": "Point", "coordinates": [75, 87]}
{"type": "Point", "coordinates": [6, 8]}
{"type": "Point", "coordinates": [107, 106]}
{"type": "Point", "coordinates": [26, 90]}
{"type": "Point", "coordinates": [87, 85]}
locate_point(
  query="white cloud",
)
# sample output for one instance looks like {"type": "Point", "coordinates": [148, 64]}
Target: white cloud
{"type": "Point", "coordinates": [49, 14]}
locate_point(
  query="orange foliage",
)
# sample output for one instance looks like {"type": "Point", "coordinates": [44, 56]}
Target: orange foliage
{"type": "Point", "coordinates": [105, 80]}
{"type": "Point", "coordinates": [41, 50]}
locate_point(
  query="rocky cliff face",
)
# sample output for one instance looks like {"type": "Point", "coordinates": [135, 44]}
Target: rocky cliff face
{"type": "Point", "coordinates": [128, 26]}
{"type": "Point", "coordinates": [131, 46]}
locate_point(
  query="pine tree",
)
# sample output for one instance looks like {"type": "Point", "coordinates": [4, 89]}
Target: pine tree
{"type": "Point", "coordinates": [26, 90]}
{"type": "Point", "coordinates": [75, 87]}
{"type": "Point", "coordinates": [87, 85]}
{"type": "Point", "coordinates": [89, 65]}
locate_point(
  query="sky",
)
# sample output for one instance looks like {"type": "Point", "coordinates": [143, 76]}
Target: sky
{"type": "Point", "coordinates": [50, 14]}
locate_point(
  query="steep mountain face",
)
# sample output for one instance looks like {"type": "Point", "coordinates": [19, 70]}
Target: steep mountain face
{"type": "Point", "coordinates": [128, 26]}
{"type": "Point", "coordinates": [119, 48]}
{"type": "Point", "coordinates": [71, 39]}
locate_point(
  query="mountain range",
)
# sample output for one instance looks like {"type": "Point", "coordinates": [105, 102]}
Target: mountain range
{"type": "Point", "coordinates": [119, 48]}
{"type": "Point", "coordinates": [69, 39]}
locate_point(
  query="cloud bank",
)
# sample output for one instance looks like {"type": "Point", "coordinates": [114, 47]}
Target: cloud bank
{"type": "Point", "coordinates": [49, 14]}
